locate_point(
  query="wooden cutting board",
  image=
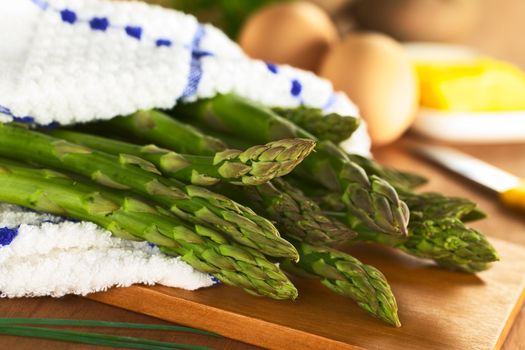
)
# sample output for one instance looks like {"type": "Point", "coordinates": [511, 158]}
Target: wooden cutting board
{"type": "Point", "coordinates": [439, 309]}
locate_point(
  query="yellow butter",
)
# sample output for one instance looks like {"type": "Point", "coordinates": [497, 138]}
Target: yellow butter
{"type": "Point", "coordinates": [480, 85]}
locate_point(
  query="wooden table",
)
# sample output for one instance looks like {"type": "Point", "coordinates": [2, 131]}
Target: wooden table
{"type": "Point", "coordinates": [501, 224]}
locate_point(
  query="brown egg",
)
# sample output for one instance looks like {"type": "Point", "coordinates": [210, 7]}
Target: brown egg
{"type": "Point", "coordinates": [377, 75]}
{"type": "Point", "coordinates": [418, 20]}
{"type": "Point", "coordinates": [297, 33]}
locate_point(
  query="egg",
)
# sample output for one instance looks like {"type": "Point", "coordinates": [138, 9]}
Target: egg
{"type": "Point", "coordinates": [296, 33]}
{"type": "Point", "coordinates": [376, 73]}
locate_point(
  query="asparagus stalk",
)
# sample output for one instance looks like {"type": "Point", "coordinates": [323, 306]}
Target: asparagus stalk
{"type": "Point", "coordinates": [435, 206]}
{"type": "Point", "coordinates": [293, 213]}
{"type": "Point", "coordinates": [129, 218]}
{"type": "Point", "coordinates": [345, 275]}
{"type": "Point", "coordinates": [446, 241]}
{"type": "Point", "coordinates": [405, 181]}
{"type": "Point", "coordinates": [397, 178]}
{"type": "Point", "coordinates": [254, 166]}
{"type": "Point", "coordinates": [189, 202]}
{"type": "Point", "coordinates": [426, 205]}
{"type": "Point", "coordinates": [438, 219]}
{"type": "Point", "coordinates": [371, 199]}
{"type": "Point", "coordinates": [331, 127]}
{"type": "Point", "coordinates": [156, 127]}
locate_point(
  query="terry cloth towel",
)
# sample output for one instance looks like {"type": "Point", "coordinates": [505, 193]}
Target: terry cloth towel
{"type": "Point", "coordinates": [72, 61]}
{"type": "Point", "coordinates": [42, 254]}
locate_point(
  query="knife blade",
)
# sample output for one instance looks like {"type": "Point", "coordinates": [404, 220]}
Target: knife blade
{"type": "Point", "coordinates": [511, 188]}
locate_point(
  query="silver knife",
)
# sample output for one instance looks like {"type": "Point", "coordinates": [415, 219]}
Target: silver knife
{"type": "Point", "coordinates": [511, 188]}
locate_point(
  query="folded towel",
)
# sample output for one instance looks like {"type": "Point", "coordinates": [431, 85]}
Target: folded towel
{"type": "Point", "coordinates": [46, 255]}
{"type": "Point", "coordinates": [72, 61]}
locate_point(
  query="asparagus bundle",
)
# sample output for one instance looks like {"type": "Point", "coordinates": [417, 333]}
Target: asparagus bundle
{"type": "Point", "coordinates": [372, 199]}
{"type": "Point", "coordinates": [256, 165]}
{"type": "Point", "coordinates": [300, 217]}
{"type": "Point", "coordinates": [472, 252]}
{"type": "Point", "coordinates": [354, 189]}
{"type": "Point", "coordinates": [347, 276]}
{"type": "Point", "coordinates": [126, 172]}
{"type": "Point", "coordinates": [130, 218]}
{"type": "Point", "coordinates": [288, 207]}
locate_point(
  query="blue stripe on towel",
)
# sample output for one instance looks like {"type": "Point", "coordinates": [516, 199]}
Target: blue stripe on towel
{"type": "Point", "coordinates": [195, 75]}
{"type": "Point", "coordinates": [19, 119]}
{"type": "Point", "coordinates": [272, 67]}
{"type": "Point", "coordinates": [296, 87]}
{"type": "Point", "coordinates": [26, 119]}
{"type": "Point", "coordinates": [7, 235]}
{"type": "Point", "coordinates": [100, 23]}
{"type": "Point", "coordinates": [41, 3]}
{"type": "Point", "coordinates": [330, 102]}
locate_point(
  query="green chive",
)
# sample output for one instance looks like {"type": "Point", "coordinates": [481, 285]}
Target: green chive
{"type": "Point", "coordinates": [96, 323]}
{"type": "Point", "coordinates": [94, 338]}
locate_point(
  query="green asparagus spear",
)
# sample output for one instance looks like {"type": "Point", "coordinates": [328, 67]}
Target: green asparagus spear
{"type": "Point", "coordinates": [331, 127]}
{"type": "Point", "coordinates": [474, 215]}
{"type": "Point", "coordinates": [435, 206]}
{"type": "Point", "coordinates": [371, 199]}
{"type": "Point", "coordinates": [129, 218]}
{"type": "Point", "coordinates": [345, 275]}
{"type": "Point", "coordinates": [436, 232]}
{"type": "Point", "coordinates": [254, 166]}
{"type": "Point", "coordinates": [156, 127]}
{"type": "Point", "coordinates": [437, 219]}
{"type": "Point", "coordinates": [397, 178]}
{"type": "Point", "coordinates": [189, 202]}
{"type": "Point", "coordinates": [405, 181]}
{"type": "Point", "coordinates": [293, 213]}
{"type": "Point", "coordinates": [446, 241]}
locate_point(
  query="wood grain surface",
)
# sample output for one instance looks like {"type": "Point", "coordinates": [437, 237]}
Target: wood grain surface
{"type": "Point", "coordinates": [439, 309]}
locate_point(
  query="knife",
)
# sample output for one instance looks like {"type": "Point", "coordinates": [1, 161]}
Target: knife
{"type": "Point", "coordinates": [510, 188]}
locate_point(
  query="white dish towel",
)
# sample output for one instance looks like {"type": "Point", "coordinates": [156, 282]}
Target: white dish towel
{"type": "Point", "coordinates": [73, 61]}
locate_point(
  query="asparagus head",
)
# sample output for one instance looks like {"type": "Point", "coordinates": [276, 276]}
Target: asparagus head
{"type": "Point", "coordinates": [331, 127]}
{"type": "Point", "coordinates": [345, 275]}
{"type": "Point", "coordinates": [253, 166]}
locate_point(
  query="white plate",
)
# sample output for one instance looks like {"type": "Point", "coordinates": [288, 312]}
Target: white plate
{"type": "Point", "coordinates": [463, 127]}
{"type": "Point", "coordinates": [470, 127]}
